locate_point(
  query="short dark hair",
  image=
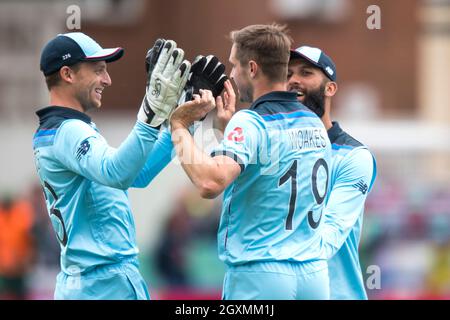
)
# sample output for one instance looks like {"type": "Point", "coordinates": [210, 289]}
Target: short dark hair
{"type": "Point", "coordinates": [54, 79]}
{"type": "Point", "coordinates": [267, 44]}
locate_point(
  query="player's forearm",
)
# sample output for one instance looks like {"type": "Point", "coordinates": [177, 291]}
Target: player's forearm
{"type": "Point", "coordinates": [346, 202]}
{"type": "Point", "coordinates": [158, 159]}
{"type": "Point", "coordinates": [202, 170]}
{"type": "Point", "coordinates": [332, 238]}
{"type": "Point", "coordinates": [339, 220]}
{"type": "Point", "coordinates": [121, 168]}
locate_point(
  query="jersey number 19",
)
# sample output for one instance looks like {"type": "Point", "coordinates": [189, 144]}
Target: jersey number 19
{"type": "Point", "coordinates": [291, 173]}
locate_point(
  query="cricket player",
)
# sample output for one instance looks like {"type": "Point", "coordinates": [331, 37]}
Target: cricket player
{"type": "Point", "coordinates": [312, 77]}
{"type": "Point", "coordinates": [85, 181]}
{"type": "Point", "coordinates": [272, 166]}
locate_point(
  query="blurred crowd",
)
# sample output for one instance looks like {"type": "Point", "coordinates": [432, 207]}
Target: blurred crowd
{"type": "Point", "coordinates": [185, 257]}
{"type": "Point", "coordinates": [27, 242]}
{"type": "Point", "coordinates": [406, 233]}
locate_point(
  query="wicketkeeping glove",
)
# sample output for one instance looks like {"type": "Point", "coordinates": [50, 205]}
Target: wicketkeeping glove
{"type": "Point", "coordinates": [152, 57]}
{"type": "Point", "coordinates": [165, 84]}
{"type": "Point", "coordinates": [206, 73]}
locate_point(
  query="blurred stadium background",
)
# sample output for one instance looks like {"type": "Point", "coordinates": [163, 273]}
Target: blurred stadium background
{"type": "Point", "coordinates": [394, 95]}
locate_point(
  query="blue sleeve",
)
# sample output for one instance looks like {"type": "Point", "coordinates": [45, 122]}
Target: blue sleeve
{"type": "Point", "coordinates": [158, 159]}
{"type": "Point", "coordinates": [84, 151]}
{"type": "Point", "coordinates": [241, 137]}
{"type": "Point", "coordinates": [355, 175]}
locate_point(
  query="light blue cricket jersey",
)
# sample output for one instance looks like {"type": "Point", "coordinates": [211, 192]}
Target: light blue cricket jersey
{"type": "Point", "coordinates": [85, 182]}
{"type": "Point", "coordinates": [352, 176]}
{"type": "Point", "coordinates": [272, 210]}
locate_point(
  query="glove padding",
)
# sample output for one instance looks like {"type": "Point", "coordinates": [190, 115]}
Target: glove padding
{"type": "Point", "coordinates": [152, 57]}
{"type": "Point", "coordinates": [206, 73]}
{"type": "Point", "coordinates": [168, 74]}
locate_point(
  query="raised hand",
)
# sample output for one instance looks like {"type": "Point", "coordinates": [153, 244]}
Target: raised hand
{"type": "Point", "coordinates": [165, 84]}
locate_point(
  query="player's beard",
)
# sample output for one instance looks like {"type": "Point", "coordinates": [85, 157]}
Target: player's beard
{"type": "Point", "coordinates": [246, 94]}
{"type": "Point", "coordinates": [315, 100]}
{"type": "Point", "coordinates": [245, 87]}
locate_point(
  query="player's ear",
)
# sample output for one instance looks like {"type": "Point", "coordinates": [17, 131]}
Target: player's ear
{"type": "Point", "coordinates": [253, 67]}
{"type": "Point", "coordinates": [66, 74]}
{"type": "Point", "coordinates": [331, 88]}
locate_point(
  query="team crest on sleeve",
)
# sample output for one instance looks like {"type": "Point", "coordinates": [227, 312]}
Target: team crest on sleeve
{"type": "Point", "coordinates": [83, 149]}
{"type": "Point", "coordinates": [236, 135]}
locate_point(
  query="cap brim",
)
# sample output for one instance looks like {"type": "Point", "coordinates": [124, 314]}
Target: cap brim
{"type": "Point", "coordinates": [107, 55]}
{"type": "Point", "coordinates": [297, 55]}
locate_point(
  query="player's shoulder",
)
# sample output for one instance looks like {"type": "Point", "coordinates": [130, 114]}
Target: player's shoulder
{"type": "Point", "coordinates": [53, 117]}
{"type": "Point", "coordinates": [359, 156]}
{"type": "Point", "coordinates": [74, 126]}
{"type": "Point", "coordinates": [247, 117]}
{"type": "Point", "coordinates": [340, 139]}
{"type": "Point", "coordinates": [356, 162]}
{"type": "Point", "coordinates": [350, 150]}
{"type": "Point", "coordinates": [59, 119]}
{"type": "Point", "coordinates": [51, 121]}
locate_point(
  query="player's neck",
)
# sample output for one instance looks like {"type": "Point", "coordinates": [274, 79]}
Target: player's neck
{"type": "Point", "coordinates": [61, 99]}
{"type": "Point", "coordinates": [326, 118]}
{"type": "Point", "coordinates": [327, 121]}
{"type": "Point", "coordinates": [265, 88]}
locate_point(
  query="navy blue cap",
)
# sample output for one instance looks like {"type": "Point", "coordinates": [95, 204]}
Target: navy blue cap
{"type": "Point", "coordinates": [318, 58]}
{"type": "Point", "coordinates": [70, 48]}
